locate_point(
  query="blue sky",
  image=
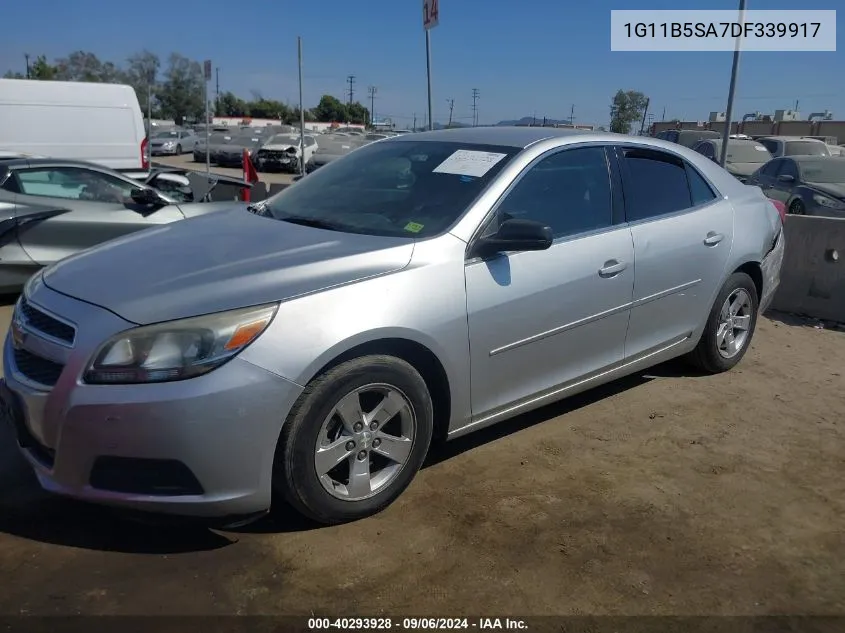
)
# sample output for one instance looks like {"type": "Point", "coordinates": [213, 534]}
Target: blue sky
{"type": "Point", "coordinates": [526, 57]}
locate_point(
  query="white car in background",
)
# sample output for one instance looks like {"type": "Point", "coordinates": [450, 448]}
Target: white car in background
{"type": "Point", "coordinates": [285, 152]}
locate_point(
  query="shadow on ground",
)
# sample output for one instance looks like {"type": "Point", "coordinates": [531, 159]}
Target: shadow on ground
{"type": "Point", "coordinates": [28, 512]}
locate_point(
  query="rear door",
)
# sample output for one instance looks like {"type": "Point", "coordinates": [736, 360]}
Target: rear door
{"type": "Point", "coordinates": [100, 206]}
{"type": "Point", "coordinates": [682, 233]}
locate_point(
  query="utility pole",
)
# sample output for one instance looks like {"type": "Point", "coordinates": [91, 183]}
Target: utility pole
{"type": "Point", "coordinates": [414, 127]}
{"type": "Point", "coordinates": [572, 116]}
{"type": "Point", "coordinates": [217, 90]}
{"type": "Point", "coordinates": [350, 79]}
{"type": "Point", "coordinates": [301, 110]}
{"type": "Point", "coordinates": [474, 107]}
{"type": "Point", "coordinates": [726, 134]}
{"type": "Point", "coordinates": [28, 74]}
{"type": "Point", "coordinates": [663, 118]}
{"type": "Point", "coordinates": [451, 103]}
{"type": "Point", "coordinates": [372, 90]}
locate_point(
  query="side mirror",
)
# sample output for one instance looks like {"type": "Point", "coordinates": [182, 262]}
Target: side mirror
{"type": "Point", "coordinates": [516, 235]}
{"type": "Point", "coordinates": [146, 196]}
{"type": "Point", "coordinates": [786, 178]}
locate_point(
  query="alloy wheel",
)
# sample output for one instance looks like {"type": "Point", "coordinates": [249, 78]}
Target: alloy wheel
{"type": "Point", "coordinates": [734, 323]}
{"type": "Point", "coordinates": [365, 442]}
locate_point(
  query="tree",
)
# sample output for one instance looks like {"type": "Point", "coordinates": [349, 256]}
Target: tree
{"type": "Point", "coordinates": [358, 114]}
{"type": "Point", "coordinates": [293, 116]}
{"type": "Point", "coordinates": [42, 69]}
{"type": "Point", "coordinates": [330, 109]}
{"type": "Point", "coordinates": [263, 108]}
{"type": "Point", "coordinates": [86, 66]}
{"type": "Point", "coordinates": [142, 74]}
{"type": "Point", "coordinates": [182, 94]}
{"type": "Point", "coordinates": [627, 107]}
{"type": "Point", "coordinates": [231, 105]}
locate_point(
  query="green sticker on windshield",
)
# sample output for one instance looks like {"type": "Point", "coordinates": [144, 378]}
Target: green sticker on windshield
{"type": "Point", "coordinates": [413, 227]}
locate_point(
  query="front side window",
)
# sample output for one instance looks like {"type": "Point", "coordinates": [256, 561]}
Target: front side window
{"type": "Point", "coordinates": [770, 145]}
{"type": "Point", "coordinates": [406, 188]}
{"type": "Point", "coordinates": [75, 183]}
{"type": "Point", "coordinates": [788, 168]}
{"type": "Point", "coordinates": [568, 191]}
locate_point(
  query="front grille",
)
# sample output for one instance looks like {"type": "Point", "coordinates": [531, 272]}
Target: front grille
{"type": "Point", "coordinates": [37, 369]}
{"type": "Point", "coordinates": [43, 322]}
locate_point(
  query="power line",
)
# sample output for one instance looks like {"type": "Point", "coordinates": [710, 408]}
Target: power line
{"type": "Point", "coordinates": [475, 97]}
{"type": "Point", "coordinates": [451, 103]}
{"type": "Point", "coordinates": [350, 79]}
{"type": "Point", "coordinates": [372, 92]}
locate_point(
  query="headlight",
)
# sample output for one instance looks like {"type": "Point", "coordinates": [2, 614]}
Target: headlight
{"type": "Point", "coordinates": [177, 350]}
{"type": "Point", "coordinates": [830, 203]}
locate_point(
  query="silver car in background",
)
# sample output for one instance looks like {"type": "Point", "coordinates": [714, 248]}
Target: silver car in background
{"type": "Point", "coordinates": [173, 142]}
{"type": "Point", "coordinates": [421, 287]}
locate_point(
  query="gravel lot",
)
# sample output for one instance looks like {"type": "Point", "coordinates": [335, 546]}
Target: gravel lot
{"type": "Point", "coordinates": [667, 493]}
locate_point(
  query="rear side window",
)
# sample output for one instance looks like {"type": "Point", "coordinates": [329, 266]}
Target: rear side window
{"type": "Point", "coordinates": [657, 183]}
{"type": "Point", "coordinates": [770, 145]}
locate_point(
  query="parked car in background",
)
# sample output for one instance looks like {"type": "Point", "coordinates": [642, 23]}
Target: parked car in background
{"type": "Point", "coordinates": [55, 208]}
{"type": "Point", "coordinates": [215, 141]}
{"type": "Point", "coordinates": [687, 138]}
{"type": "Point", "coordinates": [231, 153]}
{"type": "Point", "coordinates": [836, 150]}
{"type": "Point", "coordinates": [283, 152]}
{"type": "Point", "coordinates": [794, 146]}
{"type": "Point", "coordinates": [172, 142]}
{"type": "Point", "coordinates": [807, 185]}
{"type": "Point", "coordinates": [423, 286]}
{"type": "Point", "coordinates": [743, 158]}
{"type": "Point", "coordinates": [331, 147]}
{"type": "Point", "coordinates": [95, 122]}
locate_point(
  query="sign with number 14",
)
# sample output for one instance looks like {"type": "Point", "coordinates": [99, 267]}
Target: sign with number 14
{"type": "Point", "coordinates": [431, 13]}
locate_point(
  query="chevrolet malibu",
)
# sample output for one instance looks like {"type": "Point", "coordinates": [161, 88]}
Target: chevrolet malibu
{"type": "Point", "coordinates": [420, 288]}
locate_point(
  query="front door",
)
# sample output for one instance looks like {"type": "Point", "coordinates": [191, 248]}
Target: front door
{"type": "Point", "coordinates": [538, 320]}
{"type": "Point", "coordinates": [682, 234]}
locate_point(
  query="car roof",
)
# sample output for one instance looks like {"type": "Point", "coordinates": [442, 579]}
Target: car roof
{"type": "Point", "coordinates": [733, 141]}
{"type": "Point", "coordinates": [511, 136]}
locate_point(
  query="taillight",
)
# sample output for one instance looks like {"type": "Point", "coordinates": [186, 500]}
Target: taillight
{"type": "Point", "coordinates": [145, 160]}
{"type": "Point", "coordinates": [781, 209]}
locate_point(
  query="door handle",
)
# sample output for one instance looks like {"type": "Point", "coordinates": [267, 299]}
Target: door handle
{"type": "Point", "coordinates": [612, 268]}
{"type": "Point", "coordinates": [713, 238]}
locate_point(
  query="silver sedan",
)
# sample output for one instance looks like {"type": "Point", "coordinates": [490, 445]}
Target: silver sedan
{"type": "Point", "coordinates": [421, 287]}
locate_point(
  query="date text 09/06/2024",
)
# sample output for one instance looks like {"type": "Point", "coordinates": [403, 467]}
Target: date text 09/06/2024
{"type": "Point", "coordinates": [415, 624]}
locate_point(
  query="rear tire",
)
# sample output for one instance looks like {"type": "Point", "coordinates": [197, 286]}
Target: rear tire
{"type": "Point", "coordinates": [354, 440]}
{"type": "Point", "coordinates": [796, 207]}
{"type": "Point", "coordinates": [178, 150]}
{"type": "Point", "coordinates": [730, 326]}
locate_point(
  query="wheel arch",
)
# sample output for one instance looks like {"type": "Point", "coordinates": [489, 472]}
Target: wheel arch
{"type": "Point", "coordinates": [418, 354]}
{"type": "Point", "coordinates": [754, 270]}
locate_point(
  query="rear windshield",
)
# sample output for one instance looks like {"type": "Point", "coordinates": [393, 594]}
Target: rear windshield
{"type": "Point", "coordinates": [748, 153]}
{"type": "Point", "coordinates": [806, 148]}
{"type": "Point", "coordinates": [412, 189]}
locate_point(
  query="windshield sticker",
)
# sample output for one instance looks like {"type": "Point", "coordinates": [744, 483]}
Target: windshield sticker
{"type": "Point", "coordinates": [469, 163]}
{"type": "Point", "coordinates": [413, 227]}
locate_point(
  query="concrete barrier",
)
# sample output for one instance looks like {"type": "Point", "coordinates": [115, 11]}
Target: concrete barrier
{"type": "Point", "coordinates": [812, 279]}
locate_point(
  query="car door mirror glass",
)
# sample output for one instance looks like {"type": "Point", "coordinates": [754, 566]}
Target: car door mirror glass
{"type": "Point", "coordinates": [146, 196]}
{"type": "Point", "coordinates": [516, 235]}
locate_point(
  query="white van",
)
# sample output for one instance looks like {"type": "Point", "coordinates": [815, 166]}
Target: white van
{"type": "Point", "coordinates": [100, 123]}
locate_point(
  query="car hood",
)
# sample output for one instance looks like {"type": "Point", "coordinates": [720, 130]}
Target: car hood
{"type": "Point", "coordinates": [280, 147]}
{"type": "Point", "coordinates": [743, 169]}
{"type": "Point", "coordinates": [220, 261]}
{"type": "Point", "coordinates": [834, 189]}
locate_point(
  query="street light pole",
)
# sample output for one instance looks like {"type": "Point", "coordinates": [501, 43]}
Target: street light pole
{"type": "Point", "coordinates": [726, 135]}
{"type": "Point", "coordinates": [428, 73]}
{"type": "Point", "coordinates": [301, 111]}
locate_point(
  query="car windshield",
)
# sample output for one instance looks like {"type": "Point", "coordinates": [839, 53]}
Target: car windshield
{"type": "Point", "coordinates": [826, 171]}
{"type": "Point", "coordinates": [396, 188]}
{"type": "Point", "coordinates": [747, 153]}
{"type": "Point", "coordinates": [284, 139]}
{"type": "Point", "coordinates": [166, 134]}
{"type": "Point", "coordinates": [806, 148]}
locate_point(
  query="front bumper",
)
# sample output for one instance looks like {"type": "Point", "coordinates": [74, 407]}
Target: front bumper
{"type": "Point", "coordinates": [202, 447]}
{"type": "Point", "coordinates": [163, 151]}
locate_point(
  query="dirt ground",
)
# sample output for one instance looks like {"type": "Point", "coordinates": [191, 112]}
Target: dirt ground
{"type": "Point", "coordinates": [667, 493]}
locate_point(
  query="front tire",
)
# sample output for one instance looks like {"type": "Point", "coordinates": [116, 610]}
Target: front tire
{"type": "Point", "coordinates": [354, 440]}
{"type": "Point", "coordinates": [178, 150]}
{"type": "Point", "coordinates": [730, 326]}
